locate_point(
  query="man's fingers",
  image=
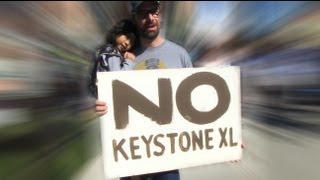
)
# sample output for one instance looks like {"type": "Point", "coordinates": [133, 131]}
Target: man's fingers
{"type": "Point", "coordinates": [101, 108]}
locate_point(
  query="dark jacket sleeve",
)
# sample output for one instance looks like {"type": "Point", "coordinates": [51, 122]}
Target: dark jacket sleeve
{"type": "Point", "coordinates": [92, 87]}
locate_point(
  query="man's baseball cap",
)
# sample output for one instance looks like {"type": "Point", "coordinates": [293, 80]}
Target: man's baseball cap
{"type": "Point", "coordinates": [136, 4]}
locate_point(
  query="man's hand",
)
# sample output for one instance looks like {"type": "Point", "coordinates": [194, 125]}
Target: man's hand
{"type": "Point", "coordinates": [101, 108]}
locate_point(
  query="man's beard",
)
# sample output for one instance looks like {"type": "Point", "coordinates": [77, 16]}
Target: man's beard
{"type": "Point", "coordinates": [150, 34]}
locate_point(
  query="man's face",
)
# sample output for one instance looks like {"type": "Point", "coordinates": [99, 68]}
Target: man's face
{"type": "Point", "coordinates": [147, 19]}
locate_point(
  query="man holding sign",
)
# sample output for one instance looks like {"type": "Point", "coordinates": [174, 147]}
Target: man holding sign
{"type": "Point", "coordinates": [156, 52]}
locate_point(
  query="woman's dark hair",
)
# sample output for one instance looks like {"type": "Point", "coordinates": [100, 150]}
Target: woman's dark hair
{"type": "Point", "coordinates": [122, 27]}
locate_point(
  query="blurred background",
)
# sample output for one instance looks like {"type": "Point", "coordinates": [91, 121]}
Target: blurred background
{"type": "Point", "coordinates": [48, 129]}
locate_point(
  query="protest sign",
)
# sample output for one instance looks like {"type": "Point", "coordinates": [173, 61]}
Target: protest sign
{"type": "Point", "coordinates": [168, 119]}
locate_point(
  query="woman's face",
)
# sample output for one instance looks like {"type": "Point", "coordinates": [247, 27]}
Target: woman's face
{"type": "Point", "coordinates": [125, 42]}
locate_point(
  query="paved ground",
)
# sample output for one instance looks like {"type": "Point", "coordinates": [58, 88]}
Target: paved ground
{"type": "Point", "coordinates": [271, 153]}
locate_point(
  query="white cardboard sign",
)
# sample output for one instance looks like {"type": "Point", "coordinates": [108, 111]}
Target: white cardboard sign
{"type": "Point", "coordinates": [161, 120]}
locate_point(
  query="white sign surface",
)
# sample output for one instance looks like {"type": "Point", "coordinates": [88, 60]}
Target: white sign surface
{"type": "Point", "coordinates": [169, 119]}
